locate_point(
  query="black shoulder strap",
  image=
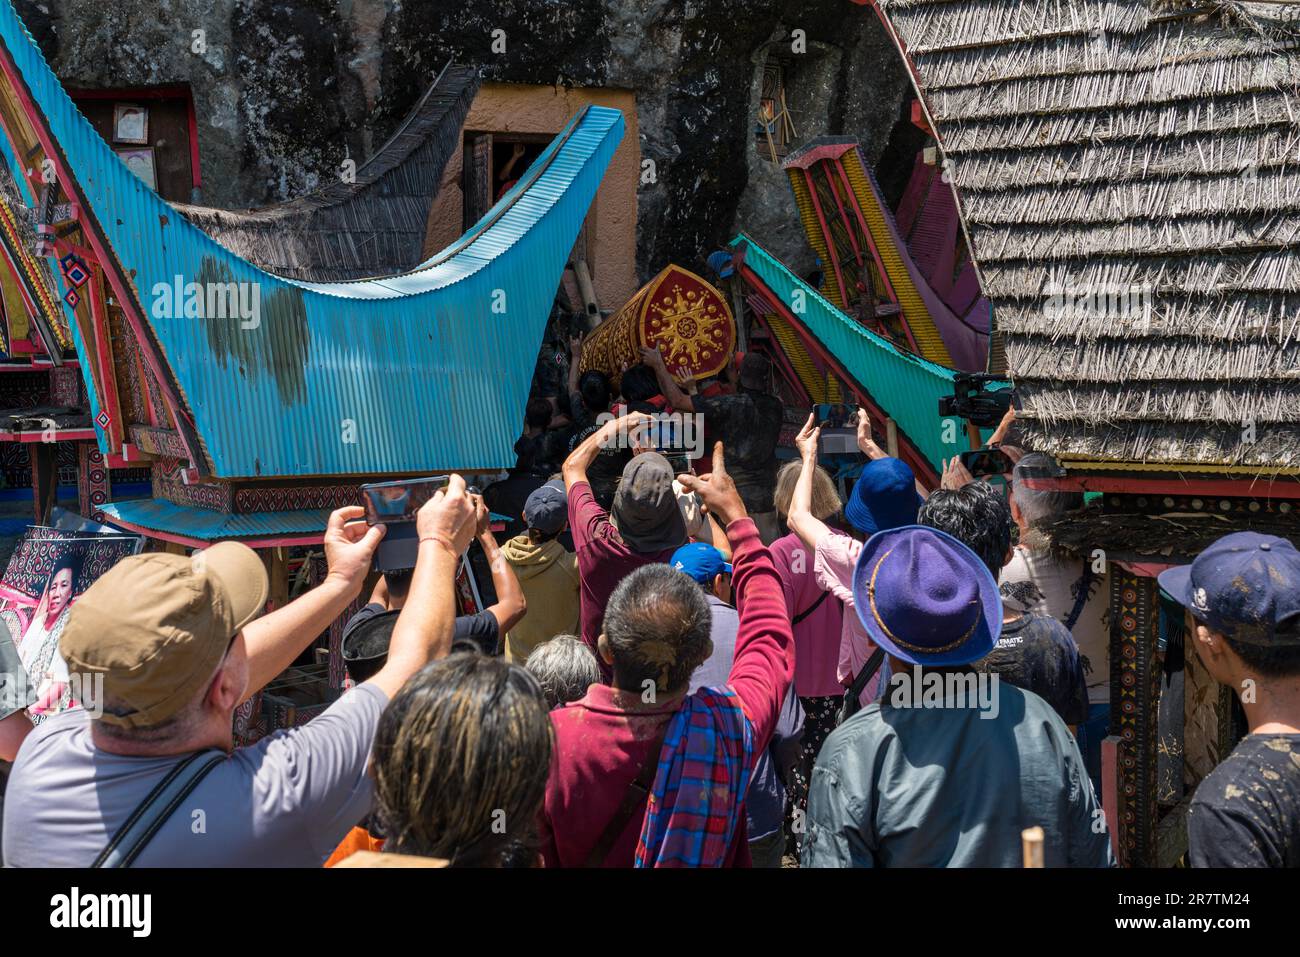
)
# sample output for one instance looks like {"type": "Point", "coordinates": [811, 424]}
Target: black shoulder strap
{"type": "Point", "coordinates": [634, 797]}
{"type": "Point", "coordinates": [152, 813]}
{"type": "Point", "coordinates": [852, 703]}
{"type": "Point", "coordinates": [809, 610]}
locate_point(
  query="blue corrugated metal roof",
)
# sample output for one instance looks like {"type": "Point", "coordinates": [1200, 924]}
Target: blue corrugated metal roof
{"type": "Point", "coordinates": [200, 523]}
{"type": "Point", "coordinates": [905, 386]}
{"type": "Point", "coordinates": [412, 373]}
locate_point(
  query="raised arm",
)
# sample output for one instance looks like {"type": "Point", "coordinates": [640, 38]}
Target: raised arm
{"type": "Point", "coordinates": [510, 606]}
{"type": "Point", "coordinates": [580, 459]}
{"type": "Point", "coordinates": [764, 662]}
{"type": "Point", "coordinates": [676, 397]}
{"type": "Point", "coordinates": [801, 520]}
{"type": "Point", "coordinates": [445, 524]}
{"type": "Point", "coordinates": [275, 640]}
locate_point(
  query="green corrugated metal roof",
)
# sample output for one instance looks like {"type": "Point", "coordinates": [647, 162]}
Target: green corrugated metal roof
{"type": "Point", "coordinates": [905, 386]}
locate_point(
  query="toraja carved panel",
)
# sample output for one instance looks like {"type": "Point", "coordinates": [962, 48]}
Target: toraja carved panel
{"type": "Point", "coordinates": [242, 499]}
{"type": "Point", "coordinates": [94, 481]}
{"type": "Point", "coordinates": [282, 498]}
{"type": "Point", "coordinates": [162, 442]}
{"type": "Point", "coordinates": [167, 484]}
{"type": "Point", "coordinates": [1134, 712]}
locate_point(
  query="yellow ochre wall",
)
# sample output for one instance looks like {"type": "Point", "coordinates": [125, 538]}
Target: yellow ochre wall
{"type": "Point", "coordinates": [611, 231]}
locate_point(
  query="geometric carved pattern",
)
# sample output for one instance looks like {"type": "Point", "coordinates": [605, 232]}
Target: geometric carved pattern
{"type": "Point", "coordinates": [167, 485]}
{"type": "Point", "coordinates": [94, 483]}
{"type": "Point", "coordinates": [1135, 666]}
{"type": "Point", "coordinates": [281, 498]}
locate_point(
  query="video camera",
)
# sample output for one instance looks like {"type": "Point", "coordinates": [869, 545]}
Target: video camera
{"type": "Point", "coordinates": [973, 402]}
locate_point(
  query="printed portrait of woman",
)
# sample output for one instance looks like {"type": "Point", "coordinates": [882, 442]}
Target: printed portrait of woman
{"type": "Point", "coordinates": [39, 648]}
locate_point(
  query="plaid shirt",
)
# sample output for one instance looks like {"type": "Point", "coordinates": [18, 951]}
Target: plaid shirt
{"type": "Point", "coordinates": [699, 789]}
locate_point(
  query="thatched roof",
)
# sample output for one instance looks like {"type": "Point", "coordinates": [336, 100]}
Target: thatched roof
{"type": "Point", "coordinates": [1146, 150]}
{"type": "Point", "coordinates": [371, 228]}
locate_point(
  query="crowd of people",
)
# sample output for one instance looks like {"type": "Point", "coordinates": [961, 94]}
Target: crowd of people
{"type": "Point", "coordinates": [730, 665]}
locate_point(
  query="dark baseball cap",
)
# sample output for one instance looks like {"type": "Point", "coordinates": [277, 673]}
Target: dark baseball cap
{"type": "Point", "coordinates": [547, 508]}
{"type": "Point", "coordinates": [1246, 586]}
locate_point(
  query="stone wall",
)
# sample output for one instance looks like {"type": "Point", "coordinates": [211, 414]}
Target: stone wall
{"type": "Point", "coordinates": [285, 90]}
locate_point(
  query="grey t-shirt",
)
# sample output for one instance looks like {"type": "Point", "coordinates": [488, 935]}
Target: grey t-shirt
{"type": "Point", "coordinates": [286, 801]}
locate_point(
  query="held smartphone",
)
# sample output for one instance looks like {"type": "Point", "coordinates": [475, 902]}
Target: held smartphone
{"type": "Point", "coordinates": [678, 460]}
{"type": "Point", "coordinates": [983, 462]}
{"type": "Point", "coordinates": [389, 503]}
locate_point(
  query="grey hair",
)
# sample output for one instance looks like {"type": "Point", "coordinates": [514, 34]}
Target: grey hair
{"type": "Point", "coordinates": [1040, 505]}
{"type": "Point", "coordinates": [565, 668]}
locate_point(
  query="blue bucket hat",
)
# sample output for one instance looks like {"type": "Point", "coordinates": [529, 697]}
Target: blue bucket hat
{"type": "Point", "coordinates": [926, 598]}
{"type": "Point", "coordinates": [1245, 586]}
{"type": "Point", "coordinates": [884, 497]}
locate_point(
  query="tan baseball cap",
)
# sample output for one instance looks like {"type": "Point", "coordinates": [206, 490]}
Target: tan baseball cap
{"type": "Point", "coordinates": [156, 626]}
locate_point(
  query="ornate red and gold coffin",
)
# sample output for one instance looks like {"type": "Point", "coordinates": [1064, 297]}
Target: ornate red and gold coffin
{"type": "Point", "coordinates": [686, 317]}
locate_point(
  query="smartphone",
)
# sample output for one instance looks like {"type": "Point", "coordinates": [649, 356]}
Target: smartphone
{"type": "Point", "coordinates": [388, 503]}
{"type": "Point", "coordinates": [983, 462]}
{"type": "Point", "coordinates": [678, 460]}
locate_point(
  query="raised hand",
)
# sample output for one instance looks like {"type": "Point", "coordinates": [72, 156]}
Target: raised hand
{"type": "Point", "coordinates": [716, 490]}
{"type": "Point", "coordinates": [350, 545]}
{"type": "Point", "coordinates": [806, 440]}
{"type": "Point", "coordinates": [955, 475]}
{"type": "Point", "coordinates": [449, 517]}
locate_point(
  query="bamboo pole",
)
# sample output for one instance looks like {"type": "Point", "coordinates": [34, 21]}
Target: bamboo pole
{"type": "Point", "coordinates": [1031, 840]}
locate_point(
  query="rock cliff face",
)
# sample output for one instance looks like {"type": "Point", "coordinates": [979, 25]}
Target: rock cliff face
{"type": "Point", "coordinates": [285, 90]}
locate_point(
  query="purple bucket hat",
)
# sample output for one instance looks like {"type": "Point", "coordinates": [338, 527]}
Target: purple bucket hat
{"type": "Point", "coordinates": [926, 598]}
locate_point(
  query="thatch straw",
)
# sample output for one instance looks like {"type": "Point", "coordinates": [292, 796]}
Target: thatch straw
{"type": "Point", "coordinates": [1099, 146]}
{"type": "Point", "coordinates": [373, 227]}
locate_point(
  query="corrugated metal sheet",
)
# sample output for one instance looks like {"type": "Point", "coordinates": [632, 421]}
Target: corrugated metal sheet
{"type": "Point", "coordinates": [412, 373]}
{"type": "Point", "coordinates": [907, 387]}
{"type": "Point", "coordinates": [162, 516]}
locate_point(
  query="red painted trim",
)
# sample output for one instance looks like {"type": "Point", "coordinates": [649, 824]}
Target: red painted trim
{"type": "Point", "coordinates": [875, 253]}
{"type": "Point", "coordinates": [287, 541]}
{"type": "Point", "coordinates": [1110, 789]}
{"type": "Point", "coordinates": [907, 451]}
{"type": "Point", "coordinates": [60, 435]}
{"type": "Point", "coordinates": [811, 155]}
{"type": "Point", "coordinates": [784, 362]}
{"type": "Point", "coordinates": [831, 251]}
{"type": "Point", "coordinates": [64, 246]}
{"type": "Point", "coordinates": [919, 118]}
{"type": "Point", "coordinates": [104, 357]}
{"type": "Point", "coordinates": [102, 253]}
{"type": "Point", "coordinates": [848, 223]}
{"type": "Point", "coordinates": [1244, 487]}
{"type": "Point", "coordinates": [45, 364]}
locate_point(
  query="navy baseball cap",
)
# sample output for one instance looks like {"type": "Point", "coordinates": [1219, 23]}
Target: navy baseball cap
{"type": "Point", "coordinates": [547, 508]}
{"type": "Point", "coordinates": [1246, 586]}
{"type": "Point", "coordinates": [700, 561]}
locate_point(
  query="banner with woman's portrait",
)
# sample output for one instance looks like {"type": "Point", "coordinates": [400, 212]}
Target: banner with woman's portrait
{"type": "Point", "coordinates": [48, 570]}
